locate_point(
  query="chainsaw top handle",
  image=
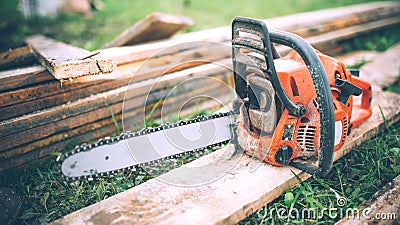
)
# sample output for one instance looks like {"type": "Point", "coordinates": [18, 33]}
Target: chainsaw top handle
{"type": "Point", "coordinates": [250, 35]}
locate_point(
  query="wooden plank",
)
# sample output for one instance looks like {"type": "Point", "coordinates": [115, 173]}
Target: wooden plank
{"type": "Point", "coordinates": [329, 42]}
{"type": "Point", "coordinates": [9, 148]}
{"type": "Point", "coordinates": [155, 26]}
{"type": "Point", "coordinates": [93, 131]}
{"type": "Point", "coordinates": [384, 70]}
{"type": "Point", "coordinates": [214, 189]}
{"type": "Point", "coordinates": [41, 124]}
{"type": "Point", "coordinates": [12, 58]}
{"type": "Point", "coordinates": [49, 94]}
{"type": "Point", "coordinates": [15, 125]}
{"type": "Point", "coordinates": [22, 77]}
{"type": "Point", "coordinates": [327, 20]}
{"type": "Point", "coordinates": [306, 24]}
{"type": "Point", "coordinates": [66, 61]}
{"type": "Point", "coordinates": [384, 209]}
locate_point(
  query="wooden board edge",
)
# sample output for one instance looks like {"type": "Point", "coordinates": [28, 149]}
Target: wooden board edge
{"type": "Point", "coordinates": [137, 32]}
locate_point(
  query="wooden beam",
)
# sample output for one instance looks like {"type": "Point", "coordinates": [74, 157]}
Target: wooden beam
{"type": "Point", "coordinates": [384, 70]}
{"type": "Point", "coordinates": [155, 26]}
{"type": "Point", "coordinates": [19, 134]}
{"type": "Point", "coordinates": [14, 79]}
{"type": "Point", "coordinates": [327, 20]}
{"type": "Point", "coordinates": [305, 24]}
{"type": "Point", "coordinates": [384, 209]}
{"type": "Point", "coordinates": [137, 103]}
{"type": "Point", "coordinates": [12, 58]}
{"type": "Point", "coordinates": [49, 94]}
{"type": "Point", "coordinates": [214, 189]}
{"type": "Point", "coordinates": [330, 41]}
{"type": "Point", "coordinates": [66, 61]}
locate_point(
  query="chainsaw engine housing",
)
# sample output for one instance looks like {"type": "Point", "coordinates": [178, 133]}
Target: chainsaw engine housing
{"type": "Point", "coordinates": [294, 107]}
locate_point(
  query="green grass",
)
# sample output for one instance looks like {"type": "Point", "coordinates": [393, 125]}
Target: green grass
{"type": "Point", "coordinates": [116, 16]}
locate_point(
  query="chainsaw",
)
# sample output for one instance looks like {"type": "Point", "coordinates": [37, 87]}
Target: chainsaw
{"type": "Point", "coordinates": [294, 110]}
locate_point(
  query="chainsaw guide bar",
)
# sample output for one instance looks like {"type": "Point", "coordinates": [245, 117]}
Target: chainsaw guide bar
{"type": "Point", "coordinates": [109, 156]}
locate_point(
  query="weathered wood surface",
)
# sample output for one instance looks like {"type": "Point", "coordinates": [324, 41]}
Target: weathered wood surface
{"type": "Point", "coordinates": [384, 70]}
{"type": "Point", "coordinates": [12, 58]}
{"type": "Point", "coordinates": [356, 57]}
{"type": "Point", "coordinates": [213, 189]}
{"type": "Point", "coordinates": [67, 61]}
{"type": "Point", "coordinates": [155, 26]}
{"type": "Point", "coordinates": [330, 41]}
{"type": "Point", "coordinates": [307, 24]}
{"type": "Point", "coordinates": [384, 209]}
{"type": "Point", "coordinates": [18, 124]}
{"type": "Point", "coordinates": [15, 79]}
{"type": "Point", "coordinates": [46, 130]}
{"type": "Point", "coordinates": [23, 101]}
{"type": "Point", "coordinates": [137, 102]}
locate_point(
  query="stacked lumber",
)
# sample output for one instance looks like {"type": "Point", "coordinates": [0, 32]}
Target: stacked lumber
{"type": "Point", "coordinates": [40, 115]}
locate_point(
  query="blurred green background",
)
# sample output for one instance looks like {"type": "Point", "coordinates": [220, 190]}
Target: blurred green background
{"type": "Point", "coordinates": [116, 16]}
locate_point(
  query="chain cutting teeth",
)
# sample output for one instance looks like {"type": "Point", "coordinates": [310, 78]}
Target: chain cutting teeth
{"type": "Point", "coordinates": [129, 134]}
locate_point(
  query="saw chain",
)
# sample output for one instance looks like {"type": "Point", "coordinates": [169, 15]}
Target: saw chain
{"type": "Point", "coordinates": [126, 136]}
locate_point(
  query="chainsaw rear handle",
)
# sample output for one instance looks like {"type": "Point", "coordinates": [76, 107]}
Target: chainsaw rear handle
{"type": "Point", "coordinates": [363, 111]}
{"type": "Point", "coordinates": [317, 72]}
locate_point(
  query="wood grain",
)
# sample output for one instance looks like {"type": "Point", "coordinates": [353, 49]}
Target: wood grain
{"type": "Point", "coordinates": [384, 70]}
{"type": "Point", "coordinates": [140, 103]}
{"type": "Point", "coordinates": [15, 79]}
{"type": "Point", "coordinates": [12, 58]}
{"type": "Point", "coordinates": [66, 61]}
{"type": "Point", "coordinates": [54, 114]}
{"type": "Point", "coordinates": [49, 94]}
{"type": "Point", "coordinates": [384, 209]}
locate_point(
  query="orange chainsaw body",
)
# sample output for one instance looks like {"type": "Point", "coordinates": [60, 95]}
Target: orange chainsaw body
{"type": "Point", "coordinates": [302, 134]}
